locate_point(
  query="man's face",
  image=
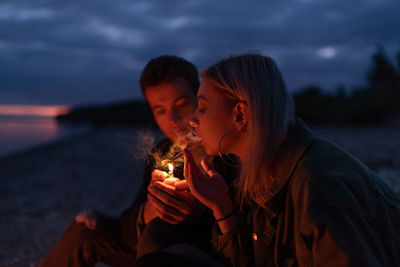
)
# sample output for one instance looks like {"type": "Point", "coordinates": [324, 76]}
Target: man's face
{"type": "Point", "coordinates": [172, 103]}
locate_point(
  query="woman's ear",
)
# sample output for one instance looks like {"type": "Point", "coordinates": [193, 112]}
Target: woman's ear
{"type": "Point", "coordinates": [241, 116]}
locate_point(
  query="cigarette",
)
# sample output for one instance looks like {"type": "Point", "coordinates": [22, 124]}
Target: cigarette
{"type": "Point", "coordinates": [177, 156]}
{"type": "Point", "coordinates": [171, 160]}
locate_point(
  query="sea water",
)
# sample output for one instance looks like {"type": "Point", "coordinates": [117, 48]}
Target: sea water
{"type": "Point", "coordinates": [19, 133]}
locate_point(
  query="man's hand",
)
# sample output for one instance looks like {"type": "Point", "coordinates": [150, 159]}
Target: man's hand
{"type": "Point", "coordinates": [149, 212]}
{"type": "Point", "coordinates": [170, 204]}
{"type": "Point", "coordinates": [158, 175]}
{"type": "Point", "coordinates": [88, 218]}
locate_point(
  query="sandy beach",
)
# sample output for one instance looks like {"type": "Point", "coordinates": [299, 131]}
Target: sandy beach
{"type": "Point", "coordinates": [42, 189]}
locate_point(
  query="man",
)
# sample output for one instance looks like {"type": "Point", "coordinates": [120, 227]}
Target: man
{"type": "Point", "coordinates": [156, 219]}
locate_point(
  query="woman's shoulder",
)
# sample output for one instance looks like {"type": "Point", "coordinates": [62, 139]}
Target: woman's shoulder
{"type": "Point", "coordinates": [324, 161]}
{"type": "Point", "coordinates": [328, 176]}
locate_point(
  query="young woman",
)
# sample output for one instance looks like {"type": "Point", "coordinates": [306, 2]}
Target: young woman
{"type": "Point", "coordinates": [299, 200]}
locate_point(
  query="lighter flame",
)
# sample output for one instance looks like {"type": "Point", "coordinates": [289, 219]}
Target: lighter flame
{"type": "Point", "coordinates": [171, 168]}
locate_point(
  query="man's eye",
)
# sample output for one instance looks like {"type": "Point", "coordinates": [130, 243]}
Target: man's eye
{"type": "Point", "coordinates": [181, 102]}
{"type": "Point", "coordinates": [159, 112]}
{"type": "Point", "coordinates": [201, 110]}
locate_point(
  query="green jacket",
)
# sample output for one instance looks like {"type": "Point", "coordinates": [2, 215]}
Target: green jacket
{"type": "Point", "coordinates": [329, 210]}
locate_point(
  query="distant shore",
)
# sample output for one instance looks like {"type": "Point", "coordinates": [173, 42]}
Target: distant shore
{"type": "Point", "coordinates": [42, 189]}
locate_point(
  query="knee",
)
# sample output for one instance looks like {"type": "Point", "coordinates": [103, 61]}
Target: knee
{"type": "Point", "coordinates": [78, 234]}
{"type": "Point", "coordinates": [73, 248]}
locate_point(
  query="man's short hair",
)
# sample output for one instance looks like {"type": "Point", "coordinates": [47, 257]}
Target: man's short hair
{"type": "Point", "coordinates": [169, 68]}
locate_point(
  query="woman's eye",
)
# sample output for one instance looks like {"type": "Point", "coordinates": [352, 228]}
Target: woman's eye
{"type": "Point", "coordinates": [201, 110]}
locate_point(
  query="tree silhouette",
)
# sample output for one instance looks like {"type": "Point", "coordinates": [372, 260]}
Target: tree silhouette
{"type": "Point", "coordinates": [378, 102]}
{"type": "Point", "coordinates": [384, 84]}
{"type": "Point", "coordinates": [383, 73]}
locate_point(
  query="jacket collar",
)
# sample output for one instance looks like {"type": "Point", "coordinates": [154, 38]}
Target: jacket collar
{"type": "Point", "coordinates": [298, 139]}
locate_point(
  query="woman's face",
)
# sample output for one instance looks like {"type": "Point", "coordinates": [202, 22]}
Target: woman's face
{"type": "Point", "coordinates": [213, 118]}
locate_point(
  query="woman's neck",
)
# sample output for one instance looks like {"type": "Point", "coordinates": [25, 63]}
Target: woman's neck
{"type": "Point", "coordinates": [239, 147]}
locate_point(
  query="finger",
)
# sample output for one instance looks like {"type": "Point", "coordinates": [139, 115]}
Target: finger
{"type": "Point", "coordinates": [79, 218]}
{"type": "Point", "coordinates": [167, 218]}
{"type": "Point", "coordinates": [162, 216]}
{"type": "Point", "coordinates": [88, 218]}
{"type": "Point", "coordinates": [189, 158]}
{"type": "Point", "coordinates": [166, 188]}
{"type": "Point", "coordinates": [167, 196]}
{"type": "Point", "coordinates": [207, 168]}
{"type": "Point", "coordinates": [181, 185]}
{"type": "Point", "coordinates": [181, 196]}
{"type": "Point", "coordinates": [158, 175]}
{"type": "Point", "coordinates": [82, 216]}
{"type": "Point", "coordinates": [92, 220]}
{"type": "Point", "coordinates": [91, 224]}
{"type": "Point", "coordinates": [165, 212]}
{"type": "Point", "coordinates": [190, 167]}
{"type": "Point", "coordinates": [171, 181]}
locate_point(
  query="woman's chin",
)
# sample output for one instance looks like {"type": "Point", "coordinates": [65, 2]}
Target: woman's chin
{"type": "Point", "coordinates": [210, 152]}
{"type": "Point", "coordinates": [207, 149]}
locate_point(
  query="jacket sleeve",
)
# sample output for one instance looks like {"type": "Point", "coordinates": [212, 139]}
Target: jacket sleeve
{"type": "Point", "coordinates": [128, 220]}
{"type": "Point", "coordinates": [340, 227]}
{"type": "Point", "coordinates": [235, 247]}
{"type": "Point", "coordinates": [131, 217]}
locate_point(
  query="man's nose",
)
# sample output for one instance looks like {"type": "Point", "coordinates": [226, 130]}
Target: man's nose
{"type": "Point", "coordinates": [174, 115]}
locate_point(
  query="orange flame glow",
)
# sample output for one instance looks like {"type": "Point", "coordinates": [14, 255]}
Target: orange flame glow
{"type": "Point", "coordinates": [171, 168]}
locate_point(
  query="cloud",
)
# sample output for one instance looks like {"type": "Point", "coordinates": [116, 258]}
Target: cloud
{"type": "Point", "coordinates": [327, 52]}
{"type": "Point", "coordinates": [120, 36]}
{"type": "Point", "coordinates": [55, 51]}
{"type": "Point", "coordinates": [23, 14]}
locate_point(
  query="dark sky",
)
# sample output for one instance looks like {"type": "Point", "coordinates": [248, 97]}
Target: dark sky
{"type": "Point", "coordinates": [81, 52]}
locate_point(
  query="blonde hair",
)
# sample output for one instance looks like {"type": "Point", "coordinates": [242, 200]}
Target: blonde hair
{"type": "Point", "coordinates": [256, 80]}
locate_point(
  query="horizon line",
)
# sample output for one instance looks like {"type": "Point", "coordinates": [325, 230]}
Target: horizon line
{"type": "Point", "coordinates": [34, 110]}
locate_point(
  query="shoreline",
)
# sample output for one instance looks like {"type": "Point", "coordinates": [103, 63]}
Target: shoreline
{"type": "Point", "coordinates": [45, 145]}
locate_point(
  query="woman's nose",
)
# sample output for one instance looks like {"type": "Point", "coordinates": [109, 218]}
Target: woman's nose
{"type": "Point", "coordinates": [194, 122]}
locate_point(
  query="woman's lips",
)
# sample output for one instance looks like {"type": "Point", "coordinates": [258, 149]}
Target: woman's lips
{"type": "Point", "coordinates": [198, 136]}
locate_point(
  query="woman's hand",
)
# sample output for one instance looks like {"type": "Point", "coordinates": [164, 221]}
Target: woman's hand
{"type": "Point", "coordinates": [88, 218]}
{"type": "Point", "coordinates": [209, 187]}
